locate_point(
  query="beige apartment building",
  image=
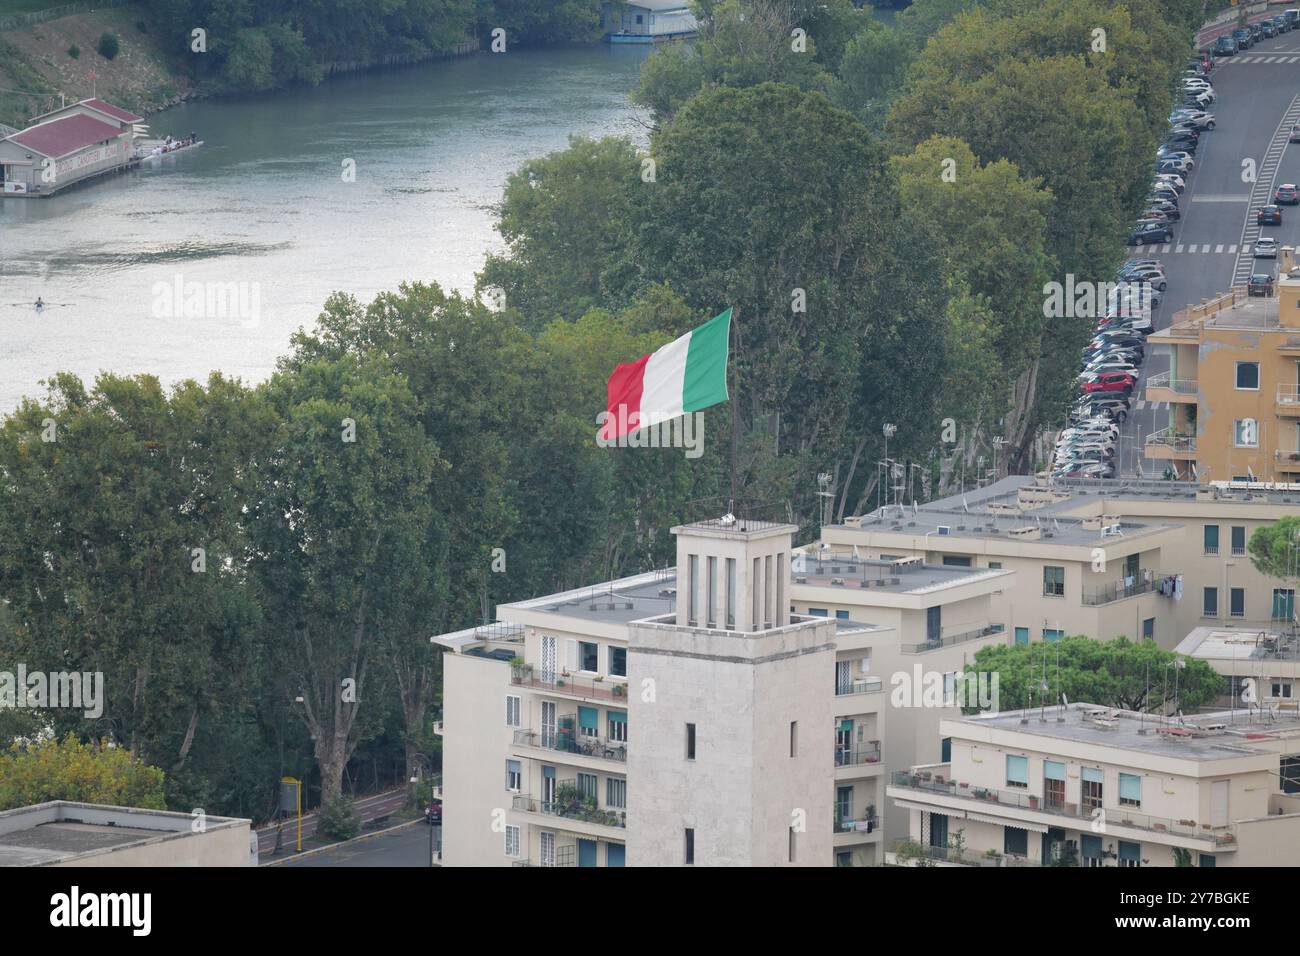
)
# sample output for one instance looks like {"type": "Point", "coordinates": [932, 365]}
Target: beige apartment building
{"type": "Point", "coordinates": [1233, 386]}
{"type": "Point", "coordinates": [1100, 557]}
{"type": "Point", "coordinates": [1260, 667]}
{"type": "Point", "coordinates": [1096, 787]}
{"type": "Point", "coordinates": [739, 709]}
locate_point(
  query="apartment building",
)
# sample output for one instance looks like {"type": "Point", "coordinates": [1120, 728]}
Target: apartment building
{"type": "Point", "coordinates": [738, 709]}
{"type": "Point", "coordinates": [1233, 385]}
{"type": "Point", "coordinates": [1260, 668]}
{"type": "Point", "coordinates": [1101, 557]}
{"type": "Point", "coordinates": [1095, 787]}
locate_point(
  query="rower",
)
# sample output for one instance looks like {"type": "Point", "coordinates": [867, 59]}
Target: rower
{"type": "Point", "coordinates": [40, 304]}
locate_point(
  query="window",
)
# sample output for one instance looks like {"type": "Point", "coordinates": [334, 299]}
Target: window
{"type": "Point", "coordinates": [1130, 854]}
{"type": "Point", "coordinates": [731, 592]}
{"type": "Point", "coordinates": [1022, 635]}
{"type": "Point", "coordinates": [512, 711]}
{"type": "Point", "coordinates": [615, 854]}
{"type": "Point", "coordinates": [618, 726]}
{"type": "Point", "coordinates": [1245, 433]}
{"type": "Point", "coordinates": [587, 785]}
{"type": "Point", "coordinates": [938, 829]}
{"type": "Point", "coordinates": [588, 721]}
{"type": "Point", "coordinates": [995, 565]}
{"type": "Point", "coordinates": [793, 847]}
{"type": "Point", "coordinates": [1053, 784]}
{"type": "Point", "coordinates": [1130, 790]}
{"type": "Point", "coordinates": [1290, 773]}
{"type": "Point", "coordinates": [945, 750]}
{"type": "Point", "coordinates": [957, 560]}
{"type": "Point", "coordinates": [794, 738]}
{"type": "Point", "coordinates": [1090, 850]}
{"type": "Point", "coordinates": [1248, 375]}
{"type": "Point", "coordinates": [1237, 602]}
{"type": "Point", "coordinates": [618, 661]}
{"type": "Point", "coordinates": [934, 624]}
{"type": "Point", "coordinates": [1017, 771]}
{"type": "Point", "coordinates": [690, 846]}
{"type": "Point", "coordinates": [818, 612]}
{"type": "Point", "coordinates": [588, 656]}
{"type": "Point", "coordinates": [1207, 859]}
{"type": "Point", "coordinates": [1015, 841]}
{"type": "Point", "coordinates": [692, 573]}
{"type": "Point", "coordinates": [1053, 633]}
{"type": "Point", "coordinates": [1053, 581]}
{"type": "Point", "coordinates": [1238, 540]}
{"type": "Point", "coordinates": [1210, 603]}
{"type": "Point", "coordinates": [1283, 604]}
{"type": "Point", "coordinates": [710, 593]}
{"type": "Point", "coordinates": [1211, 538]}
{"type": "Point", "coordinates": [514, 779]}
{"type": "Point", "coordinates": [1149, 629]}
{"type": "Point", "coordinates": [1282, 689]}
{"type": "Point", "coordinates": [615, 793]}
{"type": "Point", "coordinates": [512, 841]}
{"type": "Point", "coordinates": [841, 615]}
{"type": "Point", "coordinates": [690, 741]}
{"type": "Point", "coordinates": [1091, 789]}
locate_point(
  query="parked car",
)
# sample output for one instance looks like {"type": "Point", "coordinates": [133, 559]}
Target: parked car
{"type": "Point", "coordinates": [1261, 283]}
{"type": "Point", "coordinates": [1173, 179]}
{"type": "Point", "coordinates": [1115, 381]}
{"type": "Point", "coordinates": [1225, 46]}
{"type": "Point", "coordinates": [433, 814]}
{"type": "Point", "coordinates": [1170, 165]}
{"type": "Point", "coordinates": [1266, 27]}
{"type": "Point", "coordinates": [1150, 232]}
{"type": "Point", "coordinates": [1265, 248]}
{"type": "Point", "coordinates": [1245, 39]}
{"type": "Point", "coordinates": [1166, 208]}
{"type": "Point", "coordinates": [1287, 194]}
{"type": "Point", "coordinates": [1295, 134]}
{"type": "Point", "coordinates": [1145, 273]}
{"type": "Point", "coordinates": [1269, 216]}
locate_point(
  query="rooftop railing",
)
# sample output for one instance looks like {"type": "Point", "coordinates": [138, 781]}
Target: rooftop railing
{"type": "Point", "coordinates": [1020, 799]}
{"type": "Point", "coordinates": [953, 639]}
{"type": "Point", "coordinates": [587, 687]}
{"type": "Point", "coordinates": [1130, 586]}
{"type": "Point", "coordinates": [1180, 386]}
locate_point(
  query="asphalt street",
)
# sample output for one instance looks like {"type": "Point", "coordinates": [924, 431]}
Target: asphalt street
{"type": "Point", "coordinates": [406, 847]}
{"type": "Point", "coordinates": [1258, 100]}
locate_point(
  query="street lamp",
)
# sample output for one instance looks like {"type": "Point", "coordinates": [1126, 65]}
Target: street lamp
{"type": "Point", "coordinates": [428, 811]}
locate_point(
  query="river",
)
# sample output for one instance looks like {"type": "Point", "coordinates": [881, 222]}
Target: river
{"type": "Point", "coordinates": [264, 203]}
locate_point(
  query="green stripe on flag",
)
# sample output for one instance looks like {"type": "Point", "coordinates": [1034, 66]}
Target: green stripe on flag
{"type": "Point", "coordinates": [705, 383]}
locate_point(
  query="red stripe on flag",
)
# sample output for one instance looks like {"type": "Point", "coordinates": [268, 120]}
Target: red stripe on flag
{"type": "Point", "coordinates": [623, 393]}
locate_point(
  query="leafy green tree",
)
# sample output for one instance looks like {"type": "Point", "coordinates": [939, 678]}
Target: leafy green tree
{"type": "Point", "coordinates": [1274, 548]}
{"type": "Point", "coordinates": [871, 72]}
{"type": "Point", "coordinates": [339, 523]}
{"type": "Point", "coordinates": [1120, 673]}
{"type": "Point", "coordinates": [568, 221]}
{"type": "Point", "coordinates": [339, 818]}
{"type": "Point", "coordinates": [51, 769]}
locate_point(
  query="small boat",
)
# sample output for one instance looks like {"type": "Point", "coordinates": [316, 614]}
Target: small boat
{"type": "Point", "coordinates": [157, 148]}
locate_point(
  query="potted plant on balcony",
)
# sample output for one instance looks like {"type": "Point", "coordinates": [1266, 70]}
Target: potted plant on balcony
{"type": "Point", "coordinates": [516, 669]}
{"type": "Point", "coordinates": [619, 690]}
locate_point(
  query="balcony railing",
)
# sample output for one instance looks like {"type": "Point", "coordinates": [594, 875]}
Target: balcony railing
{"type": "Point", "coordinates": [953, 639]}
{"type": "Point", "coordinates": [1172, 439]}
{"type": "Point", "coordinates": [572, 810]}
{"type": "Point", "coordinates": [580, 744]}
{"type": "Point", "coordinates": [1179, 386]}
{"type": "Point", "coordinates": [586, 687]}
{"type": "Point", "coordinates": [1114, 816]}
{"type": "Point", "coordinates": [1289, 460]}
{"type": "Point", "coordinates": [1288, 395]}
{"type": "Point", "coordinates": [868, 823]}
{"type": "Point", "coordinates": [948, 854]}
{"type": "Point", "coordinates": [1130, 586]}
{"type": "Point", "coordinates": [858, 685]}
{"type": "Point", "coordinates": [869, 752]}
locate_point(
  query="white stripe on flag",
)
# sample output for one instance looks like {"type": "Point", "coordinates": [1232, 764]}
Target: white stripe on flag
{"type": "Point", "coordinates": [664, 381]}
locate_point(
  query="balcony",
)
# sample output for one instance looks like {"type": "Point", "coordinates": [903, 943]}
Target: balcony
{"type": "Point", "coordinates": [1286, 460]}
{"type": "Point", "coordinates": [867, 823]}
{"type": "Point", "coordinates": [1144, 582]}
{"type": "Point", "coordinates": [859, 685]}
{"type": "Point", "coordinates": [1161, 388]}
{"type": "Point", "coordinates": [924, 855]}
{"type": "Point", "coordinates": [580, 745]}
{"type": "Point", "coordinates": [1223, 837]}
{"type": "Point", "coordinates": [438, 728]}
{"type": "Point", "coordinates": [1288, 400]}
{"type": "Point", "coordinates": [578, 814]}
{"type": "Point", "coordinates": [570, 685]}
{"type": "Point", "coordinates": [1170, 443]}
{"type": "Point", "coordinates": [867, 753]}
{"type": "Point", "coordinates": [952, 640]}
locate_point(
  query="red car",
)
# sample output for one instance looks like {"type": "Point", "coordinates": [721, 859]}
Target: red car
{"type": "Point", "coordinates": [1260, 284]}
{"type": "Point", "coordinates": [1109, 382]}
{"type": "Point", "coordinates": [1269, 216]}
{"type": "Point", "coordinates": [1287, 193]}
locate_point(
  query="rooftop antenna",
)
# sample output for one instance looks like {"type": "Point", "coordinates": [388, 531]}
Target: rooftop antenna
{"type": "Point", "coordinates": [824, 483]}
{"type": "Point", "coordinates": [1060, 718]}
{"type": "Point", "coordinates": [1042, 700]}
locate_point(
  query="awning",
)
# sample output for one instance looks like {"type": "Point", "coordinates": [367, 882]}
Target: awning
{"type": "Point", "coordinates": [1005, 822]}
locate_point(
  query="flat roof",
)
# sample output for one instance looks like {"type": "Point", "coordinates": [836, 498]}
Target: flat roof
{"type": "Point", "coordinates": [63, 136]}
{"type": "Point", "coordinates": [1243, 644]}
{"type": "Point", "coordinates": [1186, 738]}
{"type": "Point", "coordinates": [62, 830]}
{"type": "Point", "coordinates": [1041, 526]}
{"type": "Point", "coordinates": [876, 575]}
{"type": "Point", "coordinates": [1073, 493]}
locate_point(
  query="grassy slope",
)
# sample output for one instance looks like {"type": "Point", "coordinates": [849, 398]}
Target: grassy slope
{"type": "Point", "coordinates": [36, 59]}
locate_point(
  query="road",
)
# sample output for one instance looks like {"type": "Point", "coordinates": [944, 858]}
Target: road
{"type": "Point", "coordinates": [408, 846]}
{"type": "Point", "coordinates": [369, 808]}
{"type": "Point", "coordinates": [1258, 100]}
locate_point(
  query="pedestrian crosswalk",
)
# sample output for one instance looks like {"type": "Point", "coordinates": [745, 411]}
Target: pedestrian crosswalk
{"type": "Point", "coordinates": [1142, 403]}
{"type": "Point", "coordinates": [1196, 248]}
{"type": "Point", "coordinates": [1260, 58]}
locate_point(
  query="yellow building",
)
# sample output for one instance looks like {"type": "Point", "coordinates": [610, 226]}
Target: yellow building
{"type": "Point", "coordinates": [1233, 385]}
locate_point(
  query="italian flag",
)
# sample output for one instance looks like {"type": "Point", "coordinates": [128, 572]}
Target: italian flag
{"type": "Point", "coordinates": [686, 375]}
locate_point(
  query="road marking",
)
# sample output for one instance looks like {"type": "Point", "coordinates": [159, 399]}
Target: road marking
{"type": "Point", "coordinates": [1141, 404]}
{"type": "Point", "coordinates": [1178, 248]}
{"type": "Point", "coordinates": [1222, 197]}
{"type": "Point", "coordinates": [1165, 247]}
{"type": "Point", "coordinates": [1218, 249]}
{"type": "Point", "coordinates": [1262, 191]}
{"type": "Point", "coordinates": [1232, 249]}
